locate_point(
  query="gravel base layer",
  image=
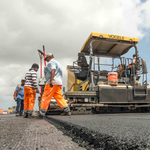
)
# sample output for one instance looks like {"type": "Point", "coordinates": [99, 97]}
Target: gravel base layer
{"type": "Point", "coordinates": [18, 133]}
{"type": "Point", "coordinates": [90, 139]}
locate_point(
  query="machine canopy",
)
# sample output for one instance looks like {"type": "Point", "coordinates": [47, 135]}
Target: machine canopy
{"type": "Point", "coordinates": [108, 44]}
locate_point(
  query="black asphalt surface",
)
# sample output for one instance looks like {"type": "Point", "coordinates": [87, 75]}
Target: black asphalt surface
{"type": "Point", "coordinates": [108, 131]}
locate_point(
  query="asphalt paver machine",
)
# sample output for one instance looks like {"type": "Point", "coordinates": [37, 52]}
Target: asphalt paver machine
{"type": "Point", "coordinates": [98, 82]}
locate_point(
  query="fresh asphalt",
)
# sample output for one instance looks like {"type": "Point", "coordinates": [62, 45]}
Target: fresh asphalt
{"type": "Point", "coordinates": [126, 131]}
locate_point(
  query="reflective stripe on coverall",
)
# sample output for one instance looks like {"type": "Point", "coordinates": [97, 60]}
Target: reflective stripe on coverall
{"type": "Point", "coordinates": [55, 92]}
{"type": "Point", "coordinates": [29, 99]}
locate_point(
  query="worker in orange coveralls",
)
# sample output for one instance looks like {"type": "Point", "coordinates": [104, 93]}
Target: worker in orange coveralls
{"type": "Point", "coordinates": [53, 76]}
{"type": "Point", "coordinates": [30, 90]}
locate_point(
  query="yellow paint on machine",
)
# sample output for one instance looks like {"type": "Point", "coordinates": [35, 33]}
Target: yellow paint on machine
{"type": "Point", "coordinates": [73, 83]}
{"type": "Point", "coordinates": [116, 37]}
{"type": "Point", "coordinates": [109, 43]}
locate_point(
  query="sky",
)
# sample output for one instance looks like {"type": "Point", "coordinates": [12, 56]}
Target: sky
{"type": "Point", "coordinates": [62, 27]}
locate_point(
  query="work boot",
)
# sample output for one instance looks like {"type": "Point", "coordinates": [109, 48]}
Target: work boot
{"type": "Point", "coordinates": [17, 115]}
{"type": "Point", "coordinates": [30, 116]}
{"type": "Point", "coordinates": [26, 115]}
{"type": "Point", "coordinates": [42, 113]}
{"type": "Point", "coordinates": [40, 116]}
{"type": "Point", "coordinates": [66, 113]}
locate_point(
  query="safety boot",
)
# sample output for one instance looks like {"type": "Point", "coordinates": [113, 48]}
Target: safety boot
{"type": "Point", "coordinates": [42, 114]}
{"type": "Point", "coordinates": [26, 115]}
{"type": "Point", "coordinates": [66, 113]}
{"type": "Point", "coordinates": [30, 115]}
{"type": "Point", "coordinates": [20, 114]}
{"type": "Point", "coordinates": [17, 115]}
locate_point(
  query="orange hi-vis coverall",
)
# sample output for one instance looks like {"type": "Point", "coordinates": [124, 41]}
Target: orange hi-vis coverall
{"type": "Point", "coordinates": [30, 91]}
{"type": "Point", "coordinates": [50, 92]}
{"type": "Point", "coordinates": [29, 99]}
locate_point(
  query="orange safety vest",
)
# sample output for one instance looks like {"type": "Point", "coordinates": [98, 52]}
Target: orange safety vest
{"type": "Point", "coordinates": [131, 65]}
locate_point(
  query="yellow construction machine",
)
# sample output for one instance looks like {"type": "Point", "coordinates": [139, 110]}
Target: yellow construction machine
{"type": "Point", "coordinates": [99, 80]}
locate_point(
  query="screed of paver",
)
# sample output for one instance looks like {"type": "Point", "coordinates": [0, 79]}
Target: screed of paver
{"type": "Point", "coordinates": [18, 133]}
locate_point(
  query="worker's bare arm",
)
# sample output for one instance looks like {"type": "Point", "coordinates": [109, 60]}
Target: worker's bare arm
{"type": "Point", "coordinates": [52, 77]}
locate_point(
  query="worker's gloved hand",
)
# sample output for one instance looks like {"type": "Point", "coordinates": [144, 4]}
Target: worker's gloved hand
{"type": "Point", "coordinates": [37, 91]}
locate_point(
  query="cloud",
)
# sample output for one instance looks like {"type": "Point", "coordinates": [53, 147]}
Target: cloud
{"type": "Point", "coordinates": [62, 26]}
{"type": "Point", "coordinates": [146, 14]}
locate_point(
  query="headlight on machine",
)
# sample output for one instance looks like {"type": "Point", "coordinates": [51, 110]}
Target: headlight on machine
{"type": "Point", "coordinates": [101, 36]}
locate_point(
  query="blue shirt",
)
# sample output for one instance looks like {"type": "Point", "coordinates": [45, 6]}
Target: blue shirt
{"type": "Point", "coordinates": [20, 94]}
{"type": "Point", "coordinates": [53, 64]}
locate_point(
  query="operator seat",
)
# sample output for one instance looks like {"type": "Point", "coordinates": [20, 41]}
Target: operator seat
{"type": "Point", "coordinates": [82, 62]}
